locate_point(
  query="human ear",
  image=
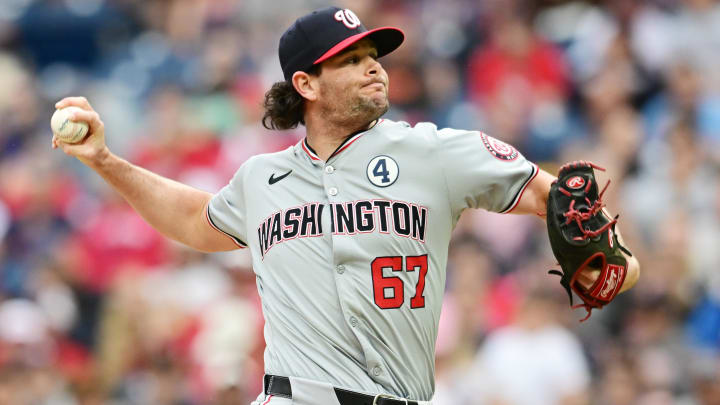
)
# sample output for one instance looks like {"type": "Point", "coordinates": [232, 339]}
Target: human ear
{"type": "Point", "coordinates": [306, 85]}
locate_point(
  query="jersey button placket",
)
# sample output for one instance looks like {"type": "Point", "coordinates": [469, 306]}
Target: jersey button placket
{"type": "Point", "coordinates": [377, 370]}
{"type": "Point", "coordinates": [340, 269]}
{"type": "Point", "coordinates": [353, 321]}
{"type": "Point", "coordinates": [330, 169]}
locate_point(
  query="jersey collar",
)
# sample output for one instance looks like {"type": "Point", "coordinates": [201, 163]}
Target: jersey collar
{"type": "Point", "coordinates": [344, 145]}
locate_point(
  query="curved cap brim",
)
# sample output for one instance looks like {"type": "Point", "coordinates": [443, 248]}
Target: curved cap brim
{"type": "Point", "coordinates": [386, 40]}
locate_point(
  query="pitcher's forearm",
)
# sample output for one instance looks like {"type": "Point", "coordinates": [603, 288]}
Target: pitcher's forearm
{"type": "Point", "coordinates": [174, 209]}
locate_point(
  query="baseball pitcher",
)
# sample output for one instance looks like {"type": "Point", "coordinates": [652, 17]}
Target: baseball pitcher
{"type": "Point", "coordinates": [349, 229]}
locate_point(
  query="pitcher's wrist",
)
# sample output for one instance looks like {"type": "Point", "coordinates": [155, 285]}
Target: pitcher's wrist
{"type": "Point", "coordinates": [100, 159]}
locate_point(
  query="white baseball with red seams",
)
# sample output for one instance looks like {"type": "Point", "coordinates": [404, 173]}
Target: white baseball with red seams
{"type": "Point", "coordinates": [350, 253]}
{"type": "Point", "coordinates": [66, 130]}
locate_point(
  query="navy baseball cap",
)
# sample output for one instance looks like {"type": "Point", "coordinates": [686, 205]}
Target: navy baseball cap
{"type": "Point", "coordinates": [324, 33]}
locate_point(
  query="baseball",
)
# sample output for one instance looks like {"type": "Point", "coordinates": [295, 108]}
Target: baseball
{"type": "Point", "coordinates": [68, 131]}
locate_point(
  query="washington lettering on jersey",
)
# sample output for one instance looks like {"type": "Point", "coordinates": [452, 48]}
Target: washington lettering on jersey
{"type": "Point", "coordinates": [324, 325]}
{"type": "Point", "coordinates": [347, 218]}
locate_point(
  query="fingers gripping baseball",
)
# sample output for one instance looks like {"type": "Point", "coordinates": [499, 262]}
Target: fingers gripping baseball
{"type": "Point", "coordinates": [81, 102]}
{"type": "Point", "coordinates": [93, 145]}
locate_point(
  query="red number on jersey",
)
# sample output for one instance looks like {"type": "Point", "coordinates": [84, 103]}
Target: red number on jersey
{"type": "Point", "coordinates": [412, 263]}
{"type": "Point", "coordinates": [381, 283]}
{"type": "Point", "coordinates": [394, 285]}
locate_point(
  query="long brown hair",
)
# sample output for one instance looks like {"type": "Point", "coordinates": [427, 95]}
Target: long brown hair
{"type": "Point", "coordinates": [284, 106]}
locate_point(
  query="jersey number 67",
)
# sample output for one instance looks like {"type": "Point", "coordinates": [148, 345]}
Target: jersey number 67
{"type": "Point", "coordinates": [389, 291]}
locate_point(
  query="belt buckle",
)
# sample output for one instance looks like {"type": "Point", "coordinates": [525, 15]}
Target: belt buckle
{"type": "Point", "coordinates": [379, 396]}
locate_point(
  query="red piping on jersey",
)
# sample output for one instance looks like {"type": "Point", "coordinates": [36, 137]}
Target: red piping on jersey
{"type": "Point", "coordinates": [348, 144]}
{"type": "Point", "coordinates": [267, 400]}
{"type": "Point", "coordinates": [313, 157]}
{"type": "Point", "coordinates": [207, 216]}
{"type": "Point", "coordinates": [517, 200]}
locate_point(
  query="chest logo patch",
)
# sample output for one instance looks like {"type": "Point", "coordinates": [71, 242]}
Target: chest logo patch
{"type": "Point", "coordinates": [272, 180]}
{"type": "Point", "coordinates": [382, 171]}
{"type": "Point", "coordinates": [499, 149]}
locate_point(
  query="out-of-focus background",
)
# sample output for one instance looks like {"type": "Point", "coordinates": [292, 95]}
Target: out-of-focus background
{"type": "Point", "coordinates": [97, 308]}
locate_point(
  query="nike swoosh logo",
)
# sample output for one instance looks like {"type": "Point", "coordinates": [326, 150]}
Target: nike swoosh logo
{"type": "Point", "coordinates": [272, 180]}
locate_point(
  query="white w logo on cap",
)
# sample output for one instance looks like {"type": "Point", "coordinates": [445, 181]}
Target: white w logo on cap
{"type": "Point", "coordinates": [348, 18]}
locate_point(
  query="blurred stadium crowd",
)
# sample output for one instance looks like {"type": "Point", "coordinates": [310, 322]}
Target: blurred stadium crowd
{"type": "Point", "coordinates": [97, 308]}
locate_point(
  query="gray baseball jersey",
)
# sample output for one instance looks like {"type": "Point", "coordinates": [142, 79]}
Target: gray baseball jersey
{"type": "Point", "coordinates": [350, 253]}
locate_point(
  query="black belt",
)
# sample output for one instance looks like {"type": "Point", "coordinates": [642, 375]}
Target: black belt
{"type": "Point", "coordinates": [280, 386]}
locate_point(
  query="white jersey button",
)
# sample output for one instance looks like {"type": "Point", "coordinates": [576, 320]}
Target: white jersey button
{"type": "Point", "coordinates": [377, 370]}
{"type": "Point", "coordinates": [329, 169]}
{"type": "Point", "coordinates": [353, 321]}
{"type": "Point", "coordinates": [332, 191]}
{"type": "Point", "coordinates": [341, 269]}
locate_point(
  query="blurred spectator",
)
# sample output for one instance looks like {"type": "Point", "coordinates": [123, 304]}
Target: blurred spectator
{"type": "Point", "coordinates": [516, 61]}
{"type": "Point", "coordinates": [534, 360]}
{"type": "Point", "coordinates": [680, 100]}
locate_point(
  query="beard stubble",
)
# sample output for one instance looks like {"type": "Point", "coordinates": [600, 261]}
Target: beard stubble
{"type": "Point", "coordinates": [352, 112]}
